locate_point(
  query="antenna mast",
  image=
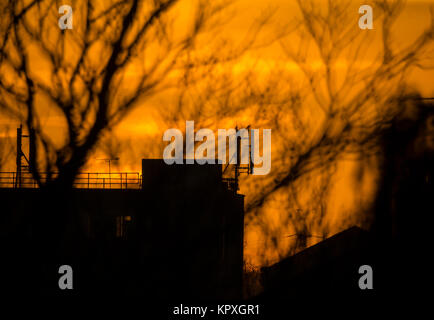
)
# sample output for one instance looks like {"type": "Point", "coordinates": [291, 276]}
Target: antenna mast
{"type": "Point", "coordinates": [20, 155]}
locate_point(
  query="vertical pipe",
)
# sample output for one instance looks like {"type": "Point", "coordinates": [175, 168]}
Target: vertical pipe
{"type": "Point", "coordinates": [250, 152]}
{"type": "Point", "coordinates": [18, 162]}
{"type": "Point", "coordinates": [110, 176]}
{"type": "Point", "coordinates": [32, 150]}
{"type": "Point", "coordinates": [237, 165]}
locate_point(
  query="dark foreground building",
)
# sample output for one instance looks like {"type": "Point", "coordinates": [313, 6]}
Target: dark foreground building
{"type": "Point", "coordinates": [329, 267]}
{"type": "Point", "coordinates": [179, 236]}
{"type": "Point", "coordinates": [397, 241]}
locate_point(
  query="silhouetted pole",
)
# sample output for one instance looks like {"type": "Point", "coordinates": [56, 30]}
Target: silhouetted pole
{"type": "Point", "coordinates": [18, 160]}
{"type": "Point", "coordinates": [32, 149]}
{"type": "Point", "coordinates": [109, 160]}
{"type": "Point", "coordinates": [237, 165]}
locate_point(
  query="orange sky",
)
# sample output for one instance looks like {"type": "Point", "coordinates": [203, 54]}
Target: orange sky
{"type": "Point", "coordinates": [143, 128]}
{"type": "Point", "coordinates": [413, 19]}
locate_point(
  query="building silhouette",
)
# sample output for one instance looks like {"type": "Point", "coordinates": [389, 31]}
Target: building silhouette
{"type": "Point", "coordinates": [180, 235]}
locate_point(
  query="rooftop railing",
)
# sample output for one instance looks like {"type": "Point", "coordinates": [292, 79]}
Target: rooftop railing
{"type": "Point", "coordinates": [84, 180]}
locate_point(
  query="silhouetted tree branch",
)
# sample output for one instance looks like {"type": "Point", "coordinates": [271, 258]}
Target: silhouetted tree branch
{"type": "Point", "coordinates": [117, 54]}
{"type": "Point", "coordinates": [334, 95]}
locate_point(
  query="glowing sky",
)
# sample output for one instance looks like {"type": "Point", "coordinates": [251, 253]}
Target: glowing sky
{"type": "Point", "coordinates": [141, 132]}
